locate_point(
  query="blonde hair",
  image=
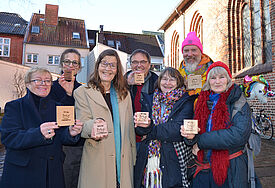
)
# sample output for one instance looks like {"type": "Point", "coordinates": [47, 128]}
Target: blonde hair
{"type": "Point", "coordinates": [33, 70]}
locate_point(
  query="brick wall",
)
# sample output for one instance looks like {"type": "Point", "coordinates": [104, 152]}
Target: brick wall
{"type": "Point", "coordinates": [16, 49]}
{"type": "Point", "coordinates": [270, 77]}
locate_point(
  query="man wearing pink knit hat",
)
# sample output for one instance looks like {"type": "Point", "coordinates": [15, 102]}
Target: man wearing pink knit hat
{"type": "Point", "coordinates": [195, 62]}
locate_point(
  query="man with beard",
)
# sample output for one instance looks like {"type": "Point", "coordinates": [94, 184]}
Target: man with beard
{"type": "Point", "coordinates": [141, 93]}
{"type": "Point", "coordinates": [195, 62]}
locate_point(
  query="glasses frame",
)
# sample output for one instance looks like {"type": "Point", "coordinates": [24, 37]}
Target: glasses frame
{"type": "Point", "coordinates": [38, 82]}
{"type": "Point", "coordinates": [105, 64]}
{"type": "Point", "coordinates": [68, 62]}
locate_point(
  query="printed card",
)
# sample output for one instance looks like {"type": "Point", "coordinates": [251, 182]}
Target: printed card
{"type": "Point", "coordinates": [65, 115]}
{"type": "Point", "coordinates": [142, 117]}
{"type": "Point", "coordinates": [139, 78]}
{"type": "Point", "coordinates": [100, 129]}
{"type": "Point", "coordinates": [194, 81]}
{"type": "Point", "coordinates": [190, 126]}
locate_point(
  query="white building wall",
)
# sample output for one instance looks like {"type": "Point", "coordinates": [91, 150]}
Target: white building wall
{"type": "Point", "coordinates": [7, 88]}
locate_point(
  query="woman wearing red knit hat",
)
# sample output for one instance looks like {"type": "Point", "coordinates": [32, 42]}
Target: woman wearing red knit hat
{"type": "Point", "coordinates": [222, 138]}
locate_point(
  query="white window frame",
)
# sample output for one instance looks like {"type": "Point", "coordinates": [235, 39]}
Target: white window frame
{"type": "Point", "coordinates": [4, 45]}
{"type": "Point", "coordinates": [54, 60]}
{"type": "Point", "coordinates": [32, 58]}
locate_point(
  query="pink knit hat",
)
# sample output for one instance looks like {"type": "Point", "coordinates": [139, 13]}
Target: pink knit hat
{"type": "Point", "coordinates": [219, 64]}
{"type": "Point", "coordinates": [192, 39]}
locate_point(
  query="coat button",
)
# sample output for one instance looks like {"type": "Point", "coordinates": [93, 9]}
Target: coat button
{"type": "Point", "coordinates": [122, 155]}
{"type": "Point", "coordinates": [51, 157]}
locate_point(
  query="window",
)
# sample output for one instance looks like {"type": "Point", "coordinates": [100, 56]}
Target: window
{"type": "Point", "coordinates": [32, 58]}
{"type": "Point", "coordinates": [175, 50]}
{"type": "Point", "coordinates": [35, 29]}
{"type": "Point", "coordinates": [249, 36]}
{"type": "Point", "coordinates": [111, 43]}
{"type": "Point", "coordinates": [76, 35]}
{"type": "Point", "coordinates": [91, 41]}
{"type": "Point", "coordinates": [5, 47]}
{"type": "Point", "coordinates": [53, 60]}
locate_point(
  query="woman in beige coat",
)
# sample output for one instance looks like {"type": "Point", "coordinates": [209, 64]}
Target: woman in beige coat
{"type": "Point", "coordinates": [108, 156]}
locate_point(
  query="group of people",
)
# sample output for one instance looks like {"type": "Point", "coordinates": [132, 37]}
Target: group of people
{"type": "Point", "coordinates": [129, 153]}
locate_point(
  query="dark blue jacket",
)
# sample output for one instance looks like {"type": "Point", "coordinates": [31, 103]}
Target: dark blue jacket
{"type": "Point", "coordinates": [31, 160]}
{"type": "Point", "coordinates": [166, 133]}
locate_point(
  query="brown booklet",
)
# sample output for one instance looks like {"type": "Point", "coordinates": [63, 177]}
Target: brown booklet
{"type": "Point", "coordinates": [65, 115]}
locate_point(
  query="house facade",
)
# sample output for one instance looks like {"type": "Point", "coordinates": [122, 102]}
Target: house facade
{"type": "Point", "coordinates": [12, 31]}
{"type": "Point", "coordinates": [240, 33]}
{"type": "Point", "coordinates": [48, 35]}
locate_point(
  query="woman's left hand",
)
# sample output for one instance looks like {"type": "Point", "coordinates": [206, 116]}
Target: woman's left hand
{"type": "Point", "coordinates": [76, 128]}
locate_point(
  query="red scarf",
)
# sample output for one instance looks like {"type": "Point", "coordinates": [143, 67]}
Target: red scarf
{"type": "Point", "coordinates": [220, 120]}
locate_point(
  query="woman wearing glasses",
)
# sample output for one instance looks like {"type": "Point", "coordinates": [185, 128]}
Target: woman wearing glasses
{"type": "Point", "coordinates": [32, 137]}
{"type": "Point", "coordinates": [108, 155]}
{"type": "Point", "coordinates": [62, 91]}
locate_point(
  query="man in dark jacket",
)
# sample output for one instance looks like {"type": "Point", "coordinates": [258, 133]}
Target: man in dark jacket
{"type": "Point", "coordinates": [140, 62]}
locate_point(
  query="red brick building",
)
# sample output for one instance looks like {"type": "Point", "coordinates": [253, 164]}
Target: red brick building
{"type": "Point", "coordinates": [240, 33]}
{"type": "Point", "coordinates": [12, 31]}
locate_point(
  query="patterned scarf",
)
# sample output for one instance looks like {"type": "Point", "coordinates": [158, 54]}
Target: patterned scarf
{"type": "Point", "coordinates": [219, 159]}
{"type": "Point", "coordinates": [153, 173]}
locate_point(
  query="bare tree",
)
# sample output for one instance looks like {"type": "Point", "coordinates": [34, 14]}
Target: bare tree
{"type": "Point", "coordinates": [19, 84]}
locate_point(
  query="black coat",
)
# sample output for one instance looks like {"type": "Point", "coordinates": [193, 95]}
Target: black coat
{"type": "Point", "coordinates": [31, 160]}
{"type": "Point", "coordinates": [59, 94]}
{"type": "Point", "coordinates": [166, 133]}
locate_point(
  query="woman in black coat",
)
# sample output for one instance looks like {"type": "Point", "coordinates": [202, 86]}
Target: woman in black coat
{"type": "Point", "coordinates": [162, 156]}
{"type": "Point", "coordinates": [33, 139]}
{"type": "Point", "coordinates": [62, 91]}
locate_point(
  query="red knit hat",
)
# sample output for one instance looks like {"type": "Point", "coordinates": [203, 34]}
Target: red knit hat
{"type": "Point", "coordinates": [192, 39]}
{"type": "Point", "coordinates": [218, 64]}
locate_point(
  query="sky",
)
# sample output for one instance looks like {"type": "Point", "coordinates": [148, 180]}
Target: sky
{"type": "Point", "coordinates": [130, 16]}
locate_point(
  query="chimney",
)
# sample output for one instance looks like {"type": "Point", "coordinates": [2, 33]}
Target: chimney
{"type": "Point", "coordinates": [101, 28]}
{"type": "Point", "coordinates": [51, 15]}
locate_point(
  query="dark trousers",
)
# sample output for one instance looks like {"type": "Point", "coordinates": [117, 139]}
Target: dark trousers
{"type": "Point", "coordinates": [71, 165]}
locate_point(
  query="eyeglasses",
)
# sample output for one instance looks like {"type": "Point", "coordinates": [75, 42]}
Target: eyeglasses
{"type": "Point", "coordinates": [142, 62]}
{"type": "Point", "coordinates": [68, 62]}
{"type": "Point", "coordinates": [41, 82]}
{"type": "Point", "coordinates": [171, 79]}
{"type": "Point", "coordinates": [106, 64]}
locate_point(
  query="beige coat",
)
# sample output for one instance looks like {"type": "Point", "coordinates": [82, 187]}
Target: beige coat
{"type": "Point", "coordinates": [98, 167]}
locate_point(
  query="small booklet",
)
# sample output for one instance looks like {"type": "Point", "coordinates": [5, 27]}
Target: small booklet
{"type": "Point", "coordinates": [68, 75]}
{"type": "Point", "coordinates": [100, 129]}
{"type": "Point", "coordinates": [194, 81]}
{"type": "Point", "coordinates": [190, 126]}
{"type": "Point", "coordinates": [65, 115]}
{"type": "Point", "coordinates": [142, 117]}
{"type": "Point", "coordinates": [139, 78]}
